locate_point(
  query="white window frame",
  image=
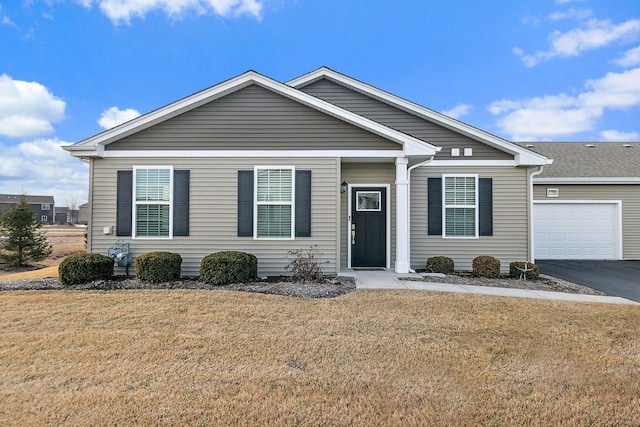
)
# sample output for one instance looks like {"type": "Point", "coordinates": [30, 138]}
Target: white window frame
{"type": "Point", "coordinates": [256, 203]}
{"type": "Point", "coordinates": [445, 206]}
{"type": "Point", "coordinates": [45, 206]}
{"type": "Point", "coordinates": [134, 231]}
{"type": "Point", "coordinates": [44, 218]}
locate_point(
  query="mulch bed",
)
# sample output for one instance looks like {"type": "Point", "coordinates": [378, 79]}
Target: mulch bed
{"type": "Point", "coordinates": [331, 287]}
{"type": "Point", "coordinates": [328, 288]}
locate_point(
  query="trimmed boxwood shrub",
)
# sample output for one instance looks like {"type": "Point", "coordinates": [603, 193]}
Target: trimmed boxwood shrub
{"type": "Point", "coordinates": [440, 264]}
{"type": "Point", "coordinates": [226, 267]}
{"type": "Point", "coordinates": [514, 273]}
{"type": "Point", "coordinates": [486, 266]}
{"type": "Point", "coordinates": [85, 268]}
{"type": "Point", "coordinates": [158, 266]}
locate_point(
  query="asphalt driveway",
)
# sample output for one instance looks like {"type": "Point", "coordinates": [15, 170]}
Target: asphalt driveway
{"type": "Point", "coordinates": [618, 278]}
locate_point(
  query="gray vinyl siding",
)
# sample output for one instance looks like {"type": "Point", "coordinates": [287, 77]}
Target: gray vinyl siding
{"type": "Point", "coordinates": [367, 173]}
{"type": "Point", "coordinates": [253, 118]}
{"type": "Point", "coordinates": [403, 121]}
{"type": "Point", "coordinates": [213, 212]}
{"type": "Point", "coordinates": [628, 193]}
{"type": "Point", "coordinates": [510, 219]}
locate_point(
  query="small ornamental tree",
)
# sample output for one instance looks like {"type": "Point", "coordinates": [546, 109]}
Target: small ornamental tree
{"type": "Point", "coordinates": [22, 239]}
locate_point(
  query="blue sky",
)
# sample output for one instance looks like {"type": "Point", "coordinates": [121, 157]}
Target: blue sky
{"type": "Point", "coordinates": [556, 70]}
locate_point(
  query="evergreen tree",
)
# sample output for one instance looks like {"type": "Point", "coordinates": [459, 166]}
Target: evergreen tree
{"type": "Point", "coordinates": [23, 238]}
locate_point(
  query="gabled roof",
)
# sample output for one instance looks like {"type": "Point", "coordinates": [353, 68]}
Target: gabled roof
{"type": "Point", "coordinates": [94, 146]}
{"type": "Point", "coordinates": [589, 162]}
{"type": "Point", "coordinates": [522, 155]}
{"type": "Point", "coordinates": [15, 198]}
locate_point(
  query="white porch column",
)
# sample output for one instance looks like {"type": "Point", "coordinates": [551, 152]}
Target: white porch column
{"type": "Point", "coordinates": [402, 215]}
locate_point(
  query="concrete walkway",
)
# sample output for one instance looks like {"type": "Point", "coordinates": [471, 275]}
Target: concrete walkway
{"type": "Point", "coordinates": [391, 280]}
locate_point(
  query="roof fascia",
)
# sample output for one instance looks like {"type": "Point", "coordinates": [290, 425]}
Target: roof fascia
{"type": "Point", "coordinates": [523, 156]}
{"type": "Point", "coordinates": [587, 180]}
{"type": "Point", "coordinates": [93, 145]}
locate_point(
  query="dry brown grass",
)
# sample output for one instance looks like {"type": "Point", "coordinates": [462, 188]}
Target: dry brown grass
{"type": "Point", "coordinates": [368, 358]}
{"type": "Point", "coordinates": [65, 241]}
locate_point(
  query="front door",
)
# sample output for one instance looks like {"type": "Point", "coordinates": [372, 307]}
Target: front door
{"type": "Point", "coordinates": [368, 226]}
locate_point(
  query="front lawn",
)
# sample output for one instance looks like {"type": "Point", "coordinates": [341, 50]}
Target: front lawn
{"type": "Point", "coordinates": [186, 357]}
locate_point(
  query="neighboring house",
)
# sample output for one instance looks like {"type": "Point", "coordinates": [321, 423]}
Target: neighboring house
{"type": "Point", "coordinates": [587, 204]}
{"type": "Point", "coordinates": [83, 214]}
{"type": "Point", "coordinates": [252, 164]}
{"type": "Point", "coordinates": [65, 215]}
{"type": "Point", "coordinates": [43, 206]}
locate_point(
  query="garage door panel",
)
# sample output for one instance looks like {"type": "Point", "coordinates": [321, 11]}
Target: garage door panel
{"type": "Point", "coordinates": [576, 231]}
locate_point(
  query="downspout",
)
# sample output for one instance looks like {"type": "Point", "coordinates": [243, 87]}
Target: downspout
{"type": "Point", "coordinates": [411, 168]}
{"type": "Point", "coordinates": [531, 216]}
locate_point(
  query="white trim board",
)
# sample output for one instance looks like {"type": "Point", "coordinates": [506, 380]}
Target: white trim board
{"type": "Point", "coordinates": [587, 180]}
{"type": "Point", "coordinates": [251, 153]}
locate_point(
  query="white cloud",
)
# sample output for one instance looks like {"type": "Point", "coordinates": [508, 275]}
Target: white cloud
{"type": "Point", "coordinates": [564, 115]}
{"type": "Point", "coordinates": [42, 167]}
{"type": "Point", "coordinates": [571, 14]}
{"type": "Point", "coordinates": [594, 34]}
{"type": "Point", "coordinates": [122, 11]}
{"type": "Point", "coordinates": [113, 117]}
{"type": "Point", "coordinates": [458, 111]}
{"type": "Point", "coordinates": [630, 58]}
{"type": "Point", "coordinates": [27, 109]}
{"type": "Point", "coordinates": [616, 135]}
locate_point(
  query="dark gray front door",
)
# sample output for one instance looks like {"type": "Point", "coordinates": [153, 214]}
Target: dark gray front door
{"type": "Point", "coordinates": [368, 227]}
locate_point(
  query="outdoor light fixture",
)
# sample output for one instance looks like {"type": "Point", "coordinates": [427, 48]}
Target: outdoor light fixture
{"type": "Point", "coordinates": [343, 186]}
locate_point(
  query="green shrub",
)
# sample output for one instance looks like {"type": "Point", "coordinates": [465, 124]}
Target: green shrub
{"type": "Point", "coordinates": [486, 266]}
{"type": "Point", "coordinates": [85, 268]}
{"type": "Point", "coordinates": [515, 273]}
{"type": "Point", "coordinates": [223, 268]}
{"type": "Point", "coordinates": [158, 266]}
{"type": "Point", "coordinates": [440, 264]}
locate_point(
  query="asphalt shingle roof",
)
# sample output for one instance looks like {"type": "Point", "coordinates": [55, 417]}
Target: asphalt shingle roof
{"type": "Point", "coordinates": [588, 159]}
{"type": "Point", "coordinates": [15, 198]}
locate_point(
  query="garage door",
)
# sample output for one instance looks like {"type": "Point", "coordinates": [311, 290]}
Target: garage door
{"type": "Point", "coordinates": [576, 231]}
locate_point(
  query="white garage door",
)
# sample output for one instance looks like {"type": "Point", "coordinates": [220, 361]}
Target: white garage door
{"type": "Point", "coordinates": [576, 231]}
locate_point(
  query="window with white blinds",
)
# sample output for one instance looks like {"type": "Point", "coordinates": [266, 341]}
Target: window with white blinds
{"type": "Point", "coordinates": [153, 197]}
{"type": "Point", "coordinates": [274, 202]}
{"type": "Point", "coordinates": [460, 206]}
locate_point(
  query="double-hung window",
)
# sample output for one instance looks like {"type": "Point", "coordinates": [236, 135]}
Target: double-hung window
{"type": "Point", "coordinates": [153, 201]}
{"type": "Point", "coordinates": [460, 207]}
{"type": "Point", "coordinates": [274, 203]}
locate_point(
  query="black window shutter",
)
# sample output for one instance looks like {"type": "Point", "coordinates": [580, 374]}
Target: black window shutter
{"type": "Point", "coordinates": [181, 202]}
{"type": "Point", "coordinates": [485, 206]}
{"type": "Point", "coordinates": [124, 198]}
{"type": "Point", "coordinates": [245, 203]}
{"type": "Point", "coordinates": [303, 203]}
{"type": "Point", "coordinates": [434, 209]}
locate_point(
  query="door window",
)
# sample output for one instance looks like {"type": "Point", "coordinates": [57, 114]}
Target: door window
{"type": "Point", "coordinates": [368, 201]}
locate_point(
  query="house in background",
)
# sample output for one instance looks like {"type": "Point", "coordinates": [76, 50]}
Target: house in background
{"type": "Point", "coordinates": [64, 215]}
{"type": "Point", "coordinates": [43, 206]}
{"type": "Point", "coordinates": [253, 164]}
{"type": "Point", "coordinates": [83, 214]}
{"type": "Point", "coordinates": [587, 204]}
